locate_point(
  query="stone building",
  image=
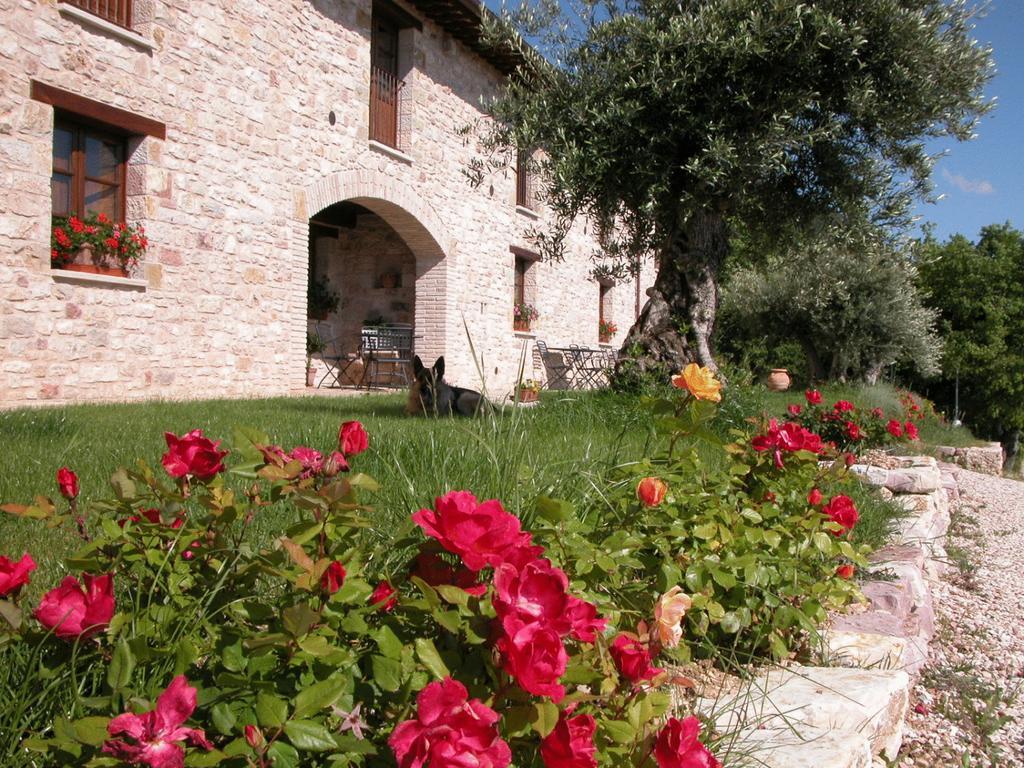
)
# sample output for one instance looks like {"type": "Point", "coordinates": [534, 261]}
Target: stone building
{"type": "Point", "coordinates": [254, 141]}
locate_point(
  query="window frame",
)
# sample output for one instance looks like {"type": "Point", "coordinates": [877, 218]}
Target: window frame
{"type": "Point", "coordinates": [80, 130]}
{"type": "Point", "coordinates": [122, 14]}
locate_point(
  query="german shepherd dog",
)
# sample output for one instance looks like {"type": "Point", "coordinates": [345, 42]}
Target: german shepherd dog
{"type": "Point", "coordinates": [431, 394]}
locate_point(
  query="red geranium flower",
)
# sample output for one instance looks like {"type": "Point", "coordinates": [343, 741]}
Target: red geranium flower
{"type": "Point", "coordinates": [156, 733]}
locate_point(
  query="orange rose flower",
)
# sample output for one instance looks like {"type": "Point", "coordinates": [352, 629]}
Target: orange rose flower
{"type": "Point", "coordinates": [668, 616]}
{"type": "Point", "coordinates": [699, 382]}
{"type": "Point", "coordinates": [651, 491]}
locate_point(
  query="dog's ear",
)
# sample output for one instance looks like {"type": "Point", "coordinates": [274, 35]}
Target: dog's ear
{"type": "Point", "coordinates": [439, 367]}
{"type": "Point", "coordinates": [417, 366]}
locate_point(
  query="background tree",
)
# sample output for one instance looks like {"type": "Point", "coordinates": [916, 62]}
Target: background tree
{"type": "Point", "coordinates": [978, 291]}
{"type": "Point", "coordinates": [664, 120]}
{"type": "Point", "coordinates": [851, 305]}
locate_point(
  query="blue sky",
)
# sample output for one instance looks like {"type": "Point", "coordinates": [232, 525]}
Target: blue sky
{"type": "Point", "coordinates": [983, 179]}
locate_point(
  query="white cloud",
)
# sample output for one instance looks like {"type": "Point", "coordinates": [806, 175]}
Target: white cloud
{"type": "Point", "coordinates": [970, 186]}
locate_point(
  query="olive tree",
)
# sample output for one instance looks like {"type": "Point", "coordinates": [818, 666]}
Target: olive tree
{"type": "Point", "coordinates": [661, 122]}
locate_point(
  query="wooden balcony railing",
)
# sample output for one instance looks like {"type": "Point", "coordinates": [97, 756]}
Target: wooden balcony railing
{"type": "Point", "coordinates": [385, 107]}
{"type": "Point", "coordinates": [115, 11]}
{"type": "Point", "coordinates": [524, 184]}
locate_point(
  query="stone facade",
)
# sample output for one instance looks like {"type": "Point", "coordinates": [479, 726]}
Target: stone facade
{"type": "Point", "coordinates": [266, 114]}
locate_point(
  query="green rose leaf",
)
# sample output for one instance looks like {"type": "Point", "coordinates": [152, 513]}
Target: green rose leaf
{"type": "Point", "coordinates": [318, 696]}
{"type": "Point", "coordinates": [428, 654]}
{"type": "Point", "coordinates": [271, 711]}
{"type": "Point", "coordinates": [309, 736]}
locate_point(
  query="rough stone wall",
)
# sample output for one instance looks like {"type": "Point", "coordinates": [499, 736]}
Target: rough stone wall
{"type": "Point", "coordinates": [987, 459]}
{"type": "Point", "coordinates": [266, 113]}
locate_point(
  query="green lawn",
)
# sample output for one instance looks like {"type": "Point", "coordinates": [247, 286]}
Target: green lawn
{"type": "Point", "coordinates": [514, 454]}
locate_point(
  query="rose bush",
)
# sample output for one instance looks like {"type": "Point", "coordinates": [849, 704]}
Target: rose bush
{"type": "Point", "coordinates": [846, 427]}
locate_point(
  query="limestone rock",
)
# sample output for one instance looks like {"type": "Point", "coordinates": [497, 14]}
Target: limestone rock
{"type": "Point", "coordinates": [798, 747]}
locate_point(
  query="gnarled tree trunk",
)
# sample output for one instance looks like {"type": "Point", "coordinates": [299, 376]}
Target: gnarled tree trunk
{"type": "Point", "coordinates": [675, 326]}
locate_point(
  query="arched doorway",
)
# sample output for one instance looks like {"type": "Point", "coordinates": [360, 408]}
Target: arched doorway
{"type": "Point", "coordinates": [377, 244]}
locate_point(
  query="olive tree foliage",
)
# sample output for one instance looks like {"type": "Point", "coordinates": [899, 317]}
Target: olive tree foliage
{"type": "Point", "coordinates": [661, 122]}
{"type": "Point", "coordinates": [851, 304]}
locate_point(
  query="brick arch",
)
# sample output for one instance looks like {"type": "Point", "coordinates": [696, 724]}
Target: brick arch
{"type": "Point", "coordinates": [415, 221]}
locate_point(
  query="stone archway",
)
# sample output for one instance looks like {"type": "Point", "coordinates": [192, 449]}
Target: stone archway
{"type": "Point", "coordinates": [415, 222]}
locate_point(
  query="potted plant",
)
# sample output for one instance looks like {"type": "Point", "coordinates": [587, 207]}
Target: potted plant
{"type": "Point", "coordinates": [96, 244]}
{"type": "Point", "coordinates": [522, 315]}
{"type": "Point", "coordinates": [529, 391]}
{"type": "Point", "coordinates": [314, 346]}
{"type": "Point", "coordinates": [605, 330]}
{"type": "Point", "coordinates": [322, 301]}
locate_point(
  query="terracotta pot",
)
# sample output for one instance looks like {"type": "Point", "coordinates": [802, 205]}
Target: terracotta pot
{"type": "Point", "coordinates": [778, 380]}
{"type": "Point", "coordinates": [520, 325]}
{"type": "Point", "coordinates": [527, 395]}
{"type": "Point", "coordinates": [310, 377]}
{"type": "Point", "coordinates": [604, 338]}
{"type": "Point", "coordinates": [96, 269]}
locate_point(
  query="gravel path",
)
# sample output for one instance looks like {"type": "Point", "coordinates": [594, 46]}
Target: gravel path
{"type": "Point", "coordinates": [968, 709]}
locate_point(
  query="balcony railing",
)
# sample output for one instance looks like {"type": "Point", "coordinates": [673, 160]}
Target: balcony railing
{"type": "Point", "coordinates": [115, 11]}
{"type": "Point", "coordinates": [385, 107]}
{"type": "Point", "coordinates": [524, 182]}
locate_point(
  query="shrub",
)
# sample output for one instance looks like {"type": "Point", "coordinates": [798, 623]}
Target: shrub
{"type": "Point", "coordinates": [850, 428]}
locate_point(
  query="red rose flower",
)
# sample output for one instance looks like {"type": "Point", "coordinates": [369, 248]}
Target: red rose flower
{"type": "Point", "coordinates": [842, 406]}
{"type": "Point", "coordinates": [789, 438]}
{"type": "Point", "coordinates": [813, 397]}
{"type": "Point", "coordinates": [334, 464]}
{"type": "Point", "coordinates": [894, 428]}
{"type": "Point", "coordinates": [842, 510]}
{"type": "Point", "coordinates": [450, 730]}
{"type": "Point", "coordinates": [481, 534]}
{"type": "Point", "coordinates": [814, 497]}
{"type": "Point", "coordinates": [632, 659]}
{"type": "Point", "coordinates": [878, 413]}
{"type": "Point", "coordinates": [67, 481]}
{"type": "Point", "coordinates": [536, 592]}
{"type": "Point", "coordinates": [383, 596]}
{"type": "Point", "coordinates": [254, 737]}
{"type": "Point", "coordinates": [312, 461]}
{"type": "Point", "coordinates": [794, 409]}
{"type": "Point", "coordinates": [651, 491]}
{"type": "Point", "coordinates": [436, 572]}
{"type": "Point", "coordinates": [571, 744]}
{"type": "Point", "coordinates": [584, 623]}
{"type": "Point", "coordinates": [156, 732]}
{"type": "Point", "coordinates": [845, 571]}
{"type": "Point", "coordinates": [13, 576]}
{"type": "Point", "coordinates": [72, 611]}
{"type": "Point", "coordinates": [192, 454]}
{"type": "Point", "coordinates": [533, 655]}
{"type": "Point", "coordinates": [678, 746]}
{"type": "Point", "coordinates": [352, 438]}
{"type": "Point", "coordinates": [852, 430]}
{"type": "Point", "coordinates": [333, 578]}
{"type": "Point", "coordinates": [911, 429]}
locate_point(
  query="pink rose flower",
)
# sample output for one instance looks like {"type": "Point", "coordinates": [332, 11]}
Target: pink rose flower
{"type": "Point", "coordinates": [156, 734]}
{"type": "Point", "coordinates": [632, 659]}
{"type": "Point", "coordinates": [533, 655]}
{"type": "Point", "coordinates": [651, 491]}
{"type": "Point", "coordinates": [352, 438]}
{"type": "Point", "coordinates": [67, 481]}
{"type": "Point", "coordinates": [481, 534]}
{"type": "Point", "coordinates": [813, 397]}
{"type": "Point", "coordinates": [312, 461]}
{"type": "Point", "coordinates": [842, 510]}
{"type": "Point", "coordinates": [450, 730]}
{"type": "Point", "coordinates": [571, 744]}
{"type": "Point", "coordinates": [192, 454]}
{"type": "Point", "coordinates": [74, 611]}
{"type": "Point", "coordinates": [383, 596]}
{"type": "Point", "coordinates": [333, 578]}
{"type": "Point", "coordinates": [13, 576]}
{"type": "Point", "coordinates": [678, 746]}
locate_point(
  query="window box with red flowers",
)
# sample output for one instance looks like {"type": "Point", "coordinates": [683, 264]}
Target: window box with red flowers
{"type": "Point", "coordinates": [605, 330]}
{"type": "Point", "coordinates": [529, 391]}
{"type": "Point", "coordinates": [95, 244]}
{"type": "Point", "coordinates": [523, 315]}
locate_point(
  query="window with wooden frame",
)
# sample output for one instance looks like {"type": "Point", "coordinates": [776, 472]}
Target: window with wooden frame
{"type": "Point", "coordinates": [524, 289]}
{"type": "Point", "coordinates": [391, 43]}
{"type": "Point", "coordinates": [524, 183]}
{"type": "Point", "coordinates": [88, 171]}
{"type": "Point", "coordinates": [605, 327]}
{"type": "Point", "coordinates": [117, 12]}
